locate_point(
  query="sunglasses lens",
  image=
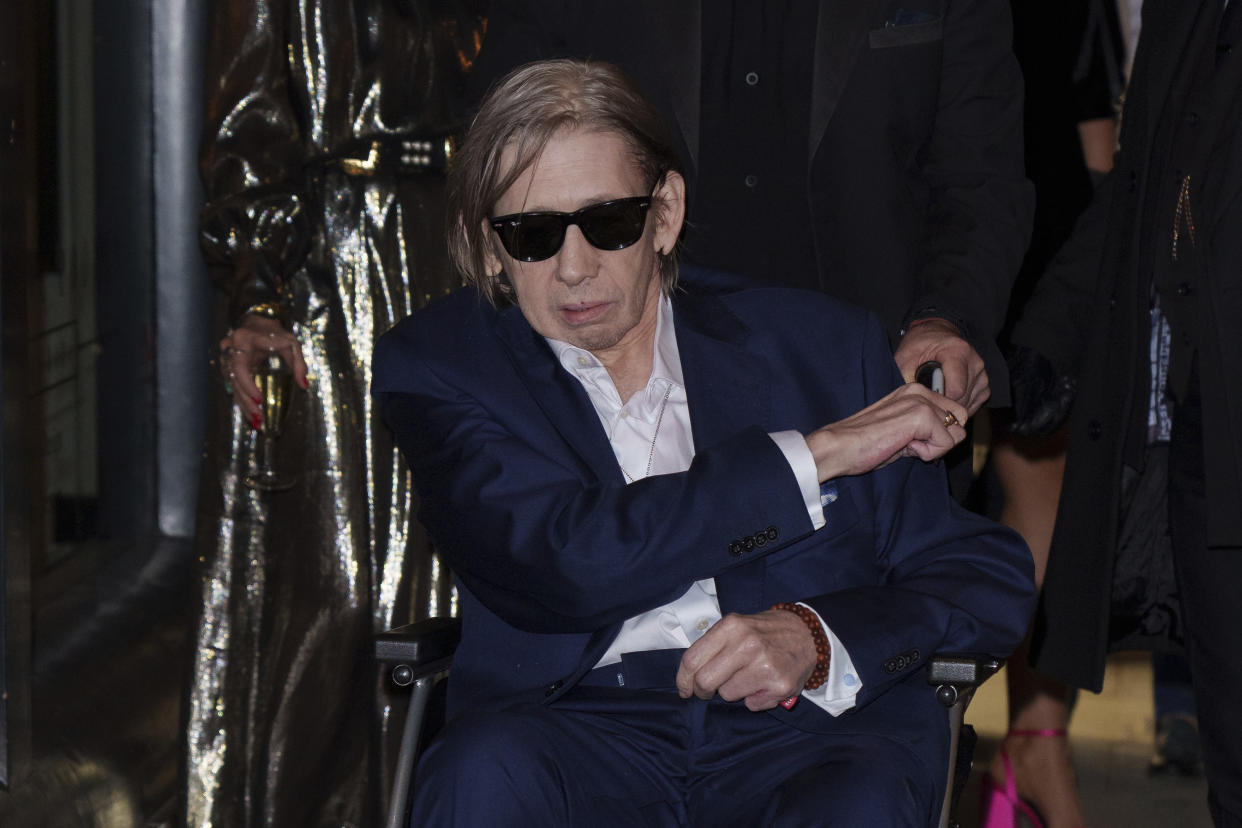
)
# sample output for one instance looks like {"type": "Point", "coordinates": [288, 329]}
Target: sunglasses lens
{"type": "Point", "coordinates": [614, 226]}
{"type": "Point", "coordinates": [533, 237]}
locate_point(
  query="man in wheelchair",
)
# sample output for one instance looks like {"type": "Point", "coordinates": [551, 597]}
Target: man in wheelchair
{"type": "Point", "coordinates": [702, 549]}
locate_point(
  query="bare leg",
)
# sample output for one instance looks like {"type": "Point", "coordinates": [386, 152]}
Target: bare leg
{"type": "Point", "coordinates": [1029, 471]}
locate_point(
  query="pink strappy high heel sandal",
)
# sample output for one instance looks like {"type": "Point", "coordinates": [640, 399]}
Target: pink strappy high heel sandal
{"type": "Point", "coordinates": [999, 807]}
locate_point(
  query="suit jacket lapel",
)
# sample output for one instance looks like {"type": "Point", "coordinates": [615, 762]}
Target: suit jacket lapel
{"type": "Point", "coordinates": [839, 34]}
{"type": "Point", "coordinates": [728, 390]}
{"type": "Point", "coordinates": [1177, 20]}
{"type": "Point", "coordinates": [560, 396]}
{"type": "Point", "coordinates": [1226, 158]}
{"type": "Point", "coordinates": [1222, 180]}
{"type": "Point", "coordinates": [679, 32]}
{"type": "Point", "coordinates": [725, 383]}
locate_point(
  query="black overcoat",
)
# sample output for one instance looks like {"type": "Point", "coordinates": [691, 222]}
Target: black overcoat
{"type": "Point", "coordinates": [1091, 312]}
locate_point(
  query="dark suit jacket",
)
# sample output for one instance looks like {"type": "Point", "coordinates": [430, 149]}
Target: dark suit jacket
{"type": "Point", "coordinates": [523, 496]}
{"type": "Point", "coordinates": [916, 188]}
{"type": "Point", "coordinates": [1090, 313]}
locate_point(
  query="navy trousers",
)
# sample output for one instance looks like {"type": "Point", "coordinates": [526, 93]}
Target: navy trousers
{"type": "Point", "coordinates": [629, 756]}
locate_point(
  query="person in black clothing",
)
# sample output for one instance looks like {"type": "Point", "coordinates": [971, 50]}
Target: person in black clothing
{"type": "Point", "coordinates": [869, 150]}
{"type": "Point", "coordinates": [1142, 309]}
{"type": "Point", "coordinates": [1072, 69]}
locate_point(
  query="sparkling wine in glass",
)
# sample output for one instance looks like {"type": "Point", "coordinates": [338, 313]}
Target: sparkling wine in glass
{"type": "Point", "coordinates": [274, 379]}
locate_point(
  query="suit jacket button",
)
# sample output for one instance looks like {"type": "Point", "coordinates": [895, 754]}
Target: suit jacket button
{"type": "Point", "coordinates": [772, 533]}
{"type": "Point", "coordinates": [760, 539]}
{"type": "Point", "coordinates": [1094, 430]}
{"type": "Point", "coordinates": [735, 549]}
{"type": "Point", "coordinates": [748, 544]}
{"type": "Point", "coordinates": [890, 666]}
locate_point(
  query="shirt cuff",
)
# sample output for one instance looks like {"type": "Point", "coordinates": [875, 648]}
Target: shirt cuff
{"type": "Point", "coordinates": [838, 693]}
{"type": "Point", "coordinates": [798, 454]}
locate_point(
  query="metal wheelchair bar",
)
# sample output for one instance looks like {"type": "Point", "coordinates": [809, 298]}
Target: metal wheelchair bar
{"type": "Point", "coordinates": [404, 771]}
{"type": "Point", "coordinates": [956, 678]}
{"type": "Point", "coordinates": [420, 653]}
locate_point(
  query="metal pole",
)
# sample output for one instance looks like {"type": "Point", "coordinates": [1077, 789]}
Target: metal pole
{"type": "Point", "coordinates": [183, 292]}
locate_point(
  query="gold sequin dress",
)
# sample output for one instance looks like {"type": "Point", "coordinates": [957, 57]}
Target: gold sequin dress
{"type": "Point", "coordinates": [322, 158]}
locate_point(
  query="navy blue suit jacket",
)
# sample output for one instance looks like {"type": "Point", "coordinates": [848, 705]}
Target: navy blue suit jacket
{"type": "Point", "coordinates": [523, 496]}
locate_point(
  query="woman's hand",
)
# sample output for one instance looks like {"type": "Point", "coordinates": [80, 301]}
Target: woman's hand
{"type": "Point", "coordinates": [245, 348]}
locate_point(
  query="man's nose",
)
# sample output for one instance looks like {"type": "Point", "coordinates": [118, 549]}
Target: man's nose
{"type": "Point", "coordinates": [577, 260]}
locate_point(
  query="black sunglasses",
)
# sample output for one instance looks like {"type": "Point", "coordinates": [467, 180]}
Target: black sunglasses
{"type": "Point", "coordinates": [609, 225]}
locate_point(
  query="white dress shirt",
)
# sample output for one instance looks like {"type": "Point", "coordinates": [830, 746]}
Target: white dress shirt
{"type": "Point", "coordinates": [650, 434]}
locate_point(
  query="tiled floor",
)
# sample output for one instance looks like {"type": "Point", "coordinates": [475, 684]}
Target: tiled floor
{"type": "Point", "coordinates": [1111, 737]}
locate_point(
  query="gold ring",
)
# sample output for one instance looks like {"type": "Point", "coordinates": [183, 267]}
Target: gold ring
{"type": "Point", "coordinates": [950, 419]}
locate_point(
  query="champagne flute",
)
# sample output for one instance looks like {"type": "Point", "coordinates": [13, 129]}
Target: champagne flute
{"type": "Point", "coordinates": [274, 379]}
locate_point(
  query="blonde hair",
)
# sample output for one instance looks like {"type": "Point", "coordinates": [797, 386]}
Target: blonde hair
{"type": "Point", "coordinates": [523, 111]}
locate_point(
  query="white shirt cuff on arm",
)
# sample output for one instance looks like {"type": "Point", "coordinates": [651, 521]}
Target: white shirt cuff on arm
{"type": "Point", "coordinates": [793, 445]}
{"type": "Point", "coordinates": [837, 694]}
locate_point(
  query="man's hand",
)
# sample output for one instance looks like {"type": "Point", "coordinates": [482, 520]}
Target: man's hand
{"type": "Point", "coordinates": [965, 381]}
{"type": "Point", "coordinates": [244, 349]}
{"type": "Point", "coordinates": [763, 658]}
{"type": "Point", "coordinates": [912, 421]}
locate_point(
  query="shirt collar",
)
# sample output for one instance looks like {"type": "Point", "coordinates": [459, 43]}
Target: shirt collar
{"type": "Point", "coordinates": [665, 366]}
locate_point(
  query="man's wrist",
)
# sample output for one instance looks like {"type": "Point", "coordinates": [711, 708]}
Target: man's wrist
{"type": "Point", "coordinates": [935, 321]}
{"type": "Point", "coordinates": [926, 315]}
{"type": "Point", "coordinates": [820, 443]}
{"type": "Point", "coordinates": [914, 323]}
{"type": "Point", "coordinates": [823, 650]}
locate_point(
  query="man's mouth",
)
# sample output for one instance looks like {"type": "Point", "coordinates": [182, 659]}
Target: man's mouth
{"type": "Point", "coordinates": [582, 313]}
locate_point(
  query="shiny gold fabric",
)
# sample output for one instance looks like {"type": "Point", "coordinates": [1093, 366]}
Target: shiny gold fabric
{"type": "Point", "coordinates": [282, 711]}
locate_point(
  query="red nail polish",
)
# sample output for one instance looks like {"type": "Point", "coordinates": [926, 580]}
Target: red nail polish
{"type": "Point", "coordinates": [256, 419]}
{"type": "Point", "coordinates": [305, 383]}
{"type": "Point", "coordinates": [789, 703]}
{"type": "Point", "coordinates": [257, 400]}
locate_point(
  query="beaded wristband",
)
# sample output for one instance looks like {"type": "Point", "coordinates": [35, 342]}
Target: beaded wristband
{"type": "Point", "coordinates": [823, 650]}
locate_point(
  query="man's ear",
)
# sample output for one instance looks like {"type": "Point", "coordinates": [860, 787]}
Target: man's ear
{"type": "Point", "coordinates": [669, 210]}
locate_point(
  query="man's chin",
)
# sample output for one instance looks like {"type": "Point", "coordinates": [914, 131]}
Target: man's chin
{"type": "Point", "coordinates": [592, 340]}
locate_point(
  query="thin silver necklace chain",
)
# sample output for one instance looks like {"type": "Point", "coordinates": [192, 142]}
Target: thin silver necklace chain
{"type": "Point", "coordinates": [659, 420]}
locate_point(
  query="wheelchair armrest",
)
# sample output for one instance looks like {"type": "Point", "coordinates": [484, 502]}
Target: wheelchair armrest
{"type": "Point", "coordinates": [956, 676]}
{"type": "Point", "coordinates": [418, 652]}
{"type": "Point", "coordinates": [420, 649]}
